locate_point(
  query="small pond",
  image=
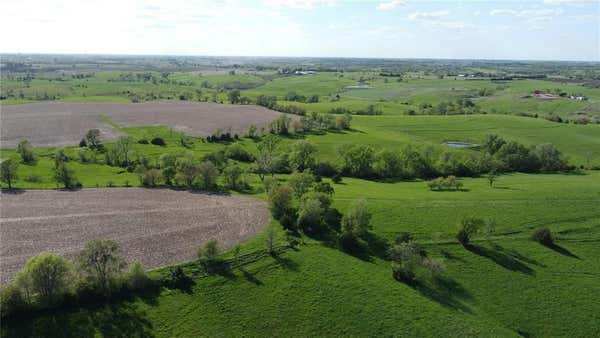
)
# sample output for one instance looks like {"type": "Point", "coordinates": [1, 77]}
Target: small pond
{"type": "Point", "coordinates": [456, 144]}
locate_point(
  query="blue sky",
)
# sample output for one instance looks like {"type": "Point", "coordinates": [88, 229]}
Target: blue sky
{"type": "Point", "coordinates": [535, 29]}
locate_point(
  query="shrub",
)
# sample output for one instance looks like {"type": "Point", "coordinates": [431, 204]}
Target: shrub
{"type": "Point", "coordinates": [65, 175]}
{"type": "Point", "coordinates": [208, 174]}
{"type": "Point", "coordinates": [158, 141]}
{"type": "Point", "coordinates": [406, 259]}
{"type": "Point", "coordinates": [356, 219]}
{"type": "Point", "coordinates": [469, 226]}
{"type": "Point", "coordinates": [238, 153]}
{"type": "Point", "coordinates": [310, 214]}
{"type": "Point", "coordinates": [280, 200]}
{"type": "Point", "coordinates": [543, 236]}
{"type": "Point", "coordinates": [177, 278]}
{"type": "Point", "coordinates": [82, 143]}
{"type": "Point", "coordinates": [326, 169]}
{"type": "Point", "coordinates": [12, 300]}
{"type": "Point", "coordinates": [270, 241]}
{"type": "Point", "coordinates": [137, 279]}
{"type": "Point", "coordinates": [101, 262]}
{"type": "Point", "coordinates": [207, 255]}
{"type": "Point", "coordinates": [48, 275]}
{"type": "Point", "coordinates": [151, 177]}
{"type": "Point", "coordinates": [288, 219]}
{"type": "Point", "coordinates": [337, 178]}
{"type": "Point", "coordinates": [26, 151]}
{"type": "Point", "coordinates": [269, 183]}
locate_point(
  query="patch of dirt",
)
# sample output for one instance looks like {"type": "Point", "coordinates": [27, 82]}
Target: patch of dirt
{"type": "Point", "coordinates": [59, 124]}
{"type": "Point", "coordinates": [154, 226]}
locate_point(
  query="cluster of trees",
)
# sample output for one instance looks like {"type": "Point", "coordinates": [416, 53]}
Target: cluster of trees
{"type": "Point", "coordinates": [48, 280]}
{"type": "Point", "coordinates": [409, 260]}
{"type": "Point", "coordinates": [409, 162]}
{"type": "Point", "coordinates": [458, 107]}
{"type": "Point", "coordinates": [445, 183]}
{"type": "Point", "coordinates": [293, 96]}
{"type": "Point", "coordinates": [369, 110]}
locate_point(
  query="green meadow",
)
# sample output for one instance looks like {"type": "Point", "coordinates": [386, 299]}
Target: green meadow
{"type": "Point", "coordinates": [503, 285]}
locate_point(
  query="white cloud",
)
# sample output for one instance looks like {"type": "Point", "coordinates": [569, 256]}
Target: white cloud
{"type": "Point", "coordinates": [388, 5]}
{"type": "Point", "coordinates": [428, 15]}
{"type": "Point", "coordinates": [300, 4]}
{"type": "Point", "coordinates": [528, 13]}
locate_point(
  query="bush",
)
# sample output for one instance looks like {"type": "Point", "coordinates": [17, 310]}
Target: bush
{"type": "Point", "coordinates": [543, 236]}
{"type": "Point", "coordinates": [238, 153]}
{"type": "Point", "coordinates": [337, 178]}
{"type": "Point", "coordinates": [48, 276]}
{"type": "Point", "coordinates": [469, 226]}
{"type": "Point", "coordinates": [26, 151]}
{"type": "Point", "coordinates": [12, 300]}
{"type": "Point", "coordinates": [326, 169]}
{"type": "Point", "coordinates": [158, 141]}
{"type": "Point", "coordinates": [280, 200]}
{"type": "Point", "coordinates": [137, 279]}
{"type": "Point", "coordinates": [177, 278]}
{"type": "Point", "coordinates": [207, 255]}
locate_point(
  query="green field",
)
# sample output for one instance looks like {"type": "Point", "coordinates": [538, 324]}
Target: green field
{"type": "Point", "coordinates": [504, 285]}
{"type": "Point", "coordinates": [507, 286]}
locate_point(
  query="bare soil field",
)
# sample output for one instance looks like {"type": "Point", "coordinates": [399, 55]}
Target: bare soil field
{"type": "Point", "coordinates": [57, 124]}
{"type": "Point", "coordinates": [154, 226]}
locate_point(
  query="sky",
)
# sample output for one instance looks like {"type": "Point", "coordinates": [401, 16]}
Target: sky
{"type": "Point", "coordinates": [526, 29]}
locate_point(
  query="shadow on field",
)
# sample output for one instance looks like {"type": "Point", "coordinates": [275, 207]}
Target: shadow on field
{"type": "Point", "coordinates": [563, 251]}
{"type": "Point", "coordinates": [13, 191]}
{"type": "Point", "coordinates": [445, 291]}
{"type": "Point", "coordinates": [501, 257]}
{"type": "Point", "coordinates": [250, 277]}
{"type": "Point", "coordinates": [113, 320]}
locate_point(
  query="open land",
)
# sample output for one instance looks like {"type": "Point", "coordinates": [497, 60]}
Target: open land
{"type": "Point", "coordinates": [54, 124]}
{"type": "Point", "coordinates": [153, 226]}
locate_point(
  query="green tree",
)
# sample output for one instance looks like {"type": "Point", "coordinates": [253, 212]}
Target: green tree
{"type": "Point", "coordinates": [302, 155]}
{"type": "Point", "coordinates": [101, 261]}
{"type": "Point", "coordinates": [48, 275]}
{"type": "Point", "coordinates": [234, 96]}
{"type": "Point", "coordinates": [266, 159]}
{"type": "Point", "coordinates": [92, 138]}
{"type": "Point", "coordinates": [233, 177]}
{"type": "Point", "coordinates": [208, 175]}
{"type": "Point", "coordinates": [280, 200]}
{"type": "Point", "coordinates": [8, 171]}
{"type": "Point", "coordinates": [301, 182]}
{"type": "Point", "coordinates": [122, 149]}
{"type": "Point", "coordinates": [187, 170]}
{"type": "Point", "coordinates": [26, 151]}
{"type": "Point", "coordinates": [357, 219]}
{"type": "Point", "coordinates": [65, 176]}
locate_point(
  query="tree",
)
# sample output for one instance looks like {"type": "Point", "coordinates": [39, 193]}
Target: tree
{"type": "Point", "coordinates": [356, 219]}
{"type": "Point", "coordinates": [302, 155]}
{"type": "Point", "coordinates": [233, 176]}
{"type": "Point", "coordinates": [122, 149]}
{"type": "Point", "coordinates": [266, 159]}
{"type": "Point", "coordinates": [280, 200]}
{"type": "Point", "coordinates": [405, 261]}
{"type": "Point", "coordinates": [388, 164]}
{"type": "Point", "coordinates": [234, 96]}
{"type": "Point", "coordinates": [468, 227]}
{"type": "Point", "coordinates": [492, 143]}
{"type": "Point", "coordinates": [310, 213]}
{"type": "Point", "coordinates": [208, 175]}
{"type": "Point", "coordinates": [92, 138]}
{"type": "Point", "coordinates": [101, 261]}
{"type": "Point", "coordinates": [550, 157]}
{"type": "Point", "coordinates": [543, 236]}
{"type": "Point", "coordinates": [48, 276]}
{"type": "Point", "coordinates": [26, 151]}
{"type": "Point", "coordinates": [270, 241]}
{"type": "Point", "coordinates": [60, 157]}
{"type": "Point", "coordinates": [8, 171]}
{"type": "Point", "coordinates": [301, 182]}
{"type": "Point", "coordinates": [492, 177]}
{"type": "Point", "coordinates": [65, 176]}
{"type": "Point", "coordinates": [207, 255]}
{"type": "Point", "coordinates": [187, 170]}
{"type": "Point", "coordinates": [357, 160]}
{"type": "Point", "coordinates": [342, 122]}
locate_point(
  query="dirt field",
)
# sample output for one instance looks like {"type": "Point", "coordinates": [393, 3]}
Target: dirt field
{"type": "Point", "coordinates": [154, 226]}
{"type": "Point", "coordinates": [55, 124]}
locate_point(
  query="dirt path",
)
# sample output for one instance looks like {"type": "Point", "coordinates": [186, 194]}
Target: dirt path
{"type": "Point", "coordinates": [154, 226]}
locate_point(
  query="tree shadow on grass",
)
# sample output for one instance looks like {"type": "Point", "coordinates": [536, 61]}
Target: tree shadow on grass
{"type": "Point", "coordinates": [506, 261]}
{"type": "Point", "coordinates": [561, 250]}
{"type": "Point", "coordinates": [445, 291]}
{"type": "Point", "coordinates": [450, 256]}
{"type": "Point", "coordinates": [515, 255]}
{"type": "Point", "coordinates": [250, 277]}
{"type": "Point", "coordinates": [286, 263]}
{"type": "Point", "coordinates": [112, 320]}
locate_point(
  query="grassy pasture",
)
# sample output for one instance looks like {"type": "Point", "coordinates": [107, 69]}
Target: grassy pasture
{"type": "Point", "coordinates": [506, 286]}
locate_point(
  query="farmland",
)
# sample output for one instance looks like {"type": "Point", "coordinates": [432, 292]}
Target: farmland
{"type": "Point", "coordinates": [158, 227]}
{"type": "Point", "coordinates": [161, 201]}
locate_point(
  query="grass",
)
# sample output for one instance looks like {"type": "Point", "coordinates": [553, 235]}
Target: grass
{"type": "Point", "coordinates": [502, 287]}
